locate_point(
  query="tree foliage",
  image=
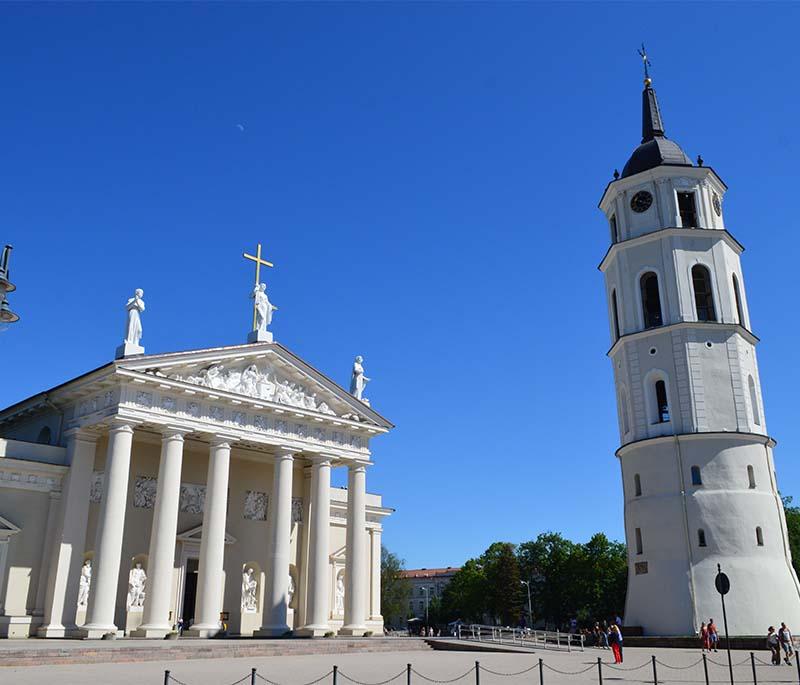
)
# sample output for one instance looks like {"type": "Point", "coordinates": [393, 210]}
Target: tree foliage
{"type": "Point", "coordinates": [793, 530]}
{"type": "Point", "coordinates": [395, 589]}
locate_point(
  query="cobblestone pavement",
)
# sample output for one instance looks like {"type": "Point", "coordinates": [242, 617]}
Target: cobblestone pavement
{"type": "Point", "coordinates": [429, 668]}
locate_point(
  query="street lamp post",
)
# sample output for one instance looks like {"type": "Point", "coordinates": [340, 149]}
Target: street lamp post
{"type": "Point", "coordinates": [527, 585]}
{"type": "Point", "coordinates": [426, 604]}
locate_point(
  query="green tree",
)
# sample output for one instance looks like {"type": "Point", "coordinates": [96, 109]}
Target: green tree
{"type": "Point", "coordinates": [395, 589]}
{"type": "Point", "coordinates": [793, 529]}
{"type": "Point", "coordinates": [501, 570]}
{"type": "Point", "coordinates": [548, 563]}
{"type": "Point", "coordinates": [465, 595]}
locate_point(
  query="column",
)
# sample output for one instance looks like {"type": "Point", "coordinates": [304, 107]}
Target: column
{"type": "Point", "coordinates": [69, 540]}
{"type": "Point", "coordinates": [375, 576]}
{"type": "Point", "coordinates": [319, 581]}
{"type": "Point", "coordinates": [210, 572]}
{"type": "Point", "coordinates": [355, 570]}
{"type": "Point", "coordinates": [110, 527]}
{"type": "Point", "coordinates": [53, 513]}
{"type": "Point", "coordinates": [161, 557]}
{"type": "Point", "coordinates": [279, 525]}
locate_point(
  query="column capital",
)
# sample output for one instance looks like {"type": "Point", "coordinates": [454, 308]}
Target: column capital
{"type": "Point", "coordinates": [122, 425]}
{"type": "Point", "coordinates": [358, 466]}
{"type": "Point", "coordinates": [321, 459]}
{"type": "Point", "coordinates": [222, 439]}
{"type": "Point", "coordinates": [174, 432]}
{"type": "Point", "coordinates": [282, 453]}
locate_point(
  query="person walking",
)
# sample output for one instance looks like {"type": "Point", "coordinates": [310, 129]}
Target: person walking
{"type": "Point", "coordinates": [704, 637]}
{"type": "Point", "coordinates": [615, 638]}
{"type": "Point", "coordinates": [774, 646]}
{"type": "Point", "coordinates": [785, 640]}
{"type": "Point", "coordinates": [713, 636]}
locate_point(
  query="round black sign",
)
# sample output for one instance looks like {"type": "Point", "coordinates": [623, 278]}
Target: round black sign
{"type": "Point", "coordinates": [723, 583]}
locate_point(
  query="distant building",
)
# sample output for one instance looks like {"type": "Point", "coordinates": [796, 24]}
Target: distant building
{"type": "Point", "coordinates": [434, 579]}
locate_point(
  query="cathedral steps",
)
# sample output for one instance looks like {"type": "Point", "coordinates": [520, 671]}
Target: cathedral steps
{"type": "Point", "coordinates": [43, 652]}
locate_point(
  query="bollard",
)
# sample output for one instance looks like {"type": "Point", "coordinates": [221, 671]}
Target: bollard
{"type": "Point", "coordinates": [705, 667]}
{"type": "Point", "coordinates": [335, 674]}
{"type": "Point", "coordinates": [408, 674]}
{"type": "Point", "coordinates": [655, 673]}
{"type": "Point", "coordinates": [252, 676]}
{"type": "Point", "coordinates": [541, 672]}
{"type": "Point", "coordinates": [166, 677]}
{"type": "Point", "coordinates": [599, 670]}
{"type": "Point", "coordinates": [477, 673]}
{"type": "Point", "coordinates": [753, 665]}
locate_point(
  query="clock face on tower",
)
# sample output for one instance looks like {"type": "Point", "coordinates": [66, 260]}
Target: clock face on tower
{"type": "Point", "coordinates": [641, 201]}
{"type": "Point", "coordinates": [717, 204]}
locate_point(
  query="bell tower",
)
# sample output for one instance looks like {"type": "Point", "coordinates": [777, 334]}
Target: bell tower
{"type": "Point", "coordinates": [698, 474]}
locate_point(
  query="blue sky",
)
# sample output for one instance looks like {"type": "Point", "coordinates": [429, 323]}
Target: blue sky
{"type": "Point", "coordinates": [426, 178]}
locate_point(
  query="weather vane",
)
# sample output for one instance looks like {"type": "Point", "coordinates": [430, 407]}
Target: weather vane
{"type": "Point", "coordinates": [646, 63]}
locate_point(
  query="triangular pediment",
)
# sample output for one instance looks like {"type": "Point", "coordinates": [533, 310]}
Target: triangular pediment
{"type": "Point", "coordinates": [266, 372]}
{"type": "Point", "coordinates": [195, 535]}
{"type": "Point", "coordinates": [7, 529]}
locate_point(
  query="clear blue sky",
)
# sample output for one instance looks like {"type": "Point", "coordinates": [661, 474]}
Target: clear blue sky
{"type": "Point", "coordinates": [425, 177]}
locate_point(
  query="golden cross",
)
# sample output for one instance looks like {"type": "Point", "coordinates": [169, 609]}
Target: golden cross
{"type": "Point", "coordinates": [257, 259]}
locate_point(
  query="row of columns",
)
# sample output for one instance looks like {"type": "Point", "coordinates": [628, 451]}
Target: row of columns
{"type": "Point", "coordinates": [62, 586]}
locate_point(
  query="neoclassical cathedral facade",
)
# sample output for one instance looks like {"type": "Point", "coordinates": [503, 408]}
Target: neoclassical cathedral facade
{"type": "Point", "coordinates": [699, 480]}
{"type": "Point", "coordinates": [191, 487]}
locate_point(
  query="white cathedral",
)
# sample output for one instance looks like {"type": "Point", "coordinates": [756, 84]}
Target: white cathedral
{"type": "Point", "coordinates": [191, 487]}
{"type": "Point", "coordinates": [698, 474]}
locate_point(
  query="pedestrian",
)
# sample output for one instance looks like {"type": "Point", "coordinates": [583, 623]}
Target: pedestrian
{"type": "Point", "coordinates": [785, 639]}
{"type": "Point", "coordinates": [713, 636]}
{"type": "Point", "coordinates": [774, 646]}
{"type": "Point", "coordinates": [704, 636]}
{"type": "Point", "coordinates": [615, 638]}
{"type": "Point", "coordinates": [618, 621]}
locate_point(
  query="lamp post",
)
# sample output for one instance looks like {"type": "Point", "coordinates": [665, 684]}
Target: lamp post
{"type": "Point", "coordinates": [527, 585]}
{"type": "Point", "coordinates": [426, 604]}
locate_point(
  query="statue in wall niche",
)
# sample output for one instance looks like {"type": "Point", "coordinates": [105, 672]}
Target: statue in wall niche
{"type": "Point", "coordinates": [249, 587]}
{"type": "Point", "coordinates": [290, 591]}
{"type": "Point", "coordinates": [85, 583]}
{"type": "Point", "coordinates": [137, 579]}
{"type": "Point", "coordinates": [264, 308]}
{"type": "Point", "coordinates": [359, 381]}
{"type": "Point", "coordinates": [340, 594]}
{"type": "Point", "coordinates": [135, 306]}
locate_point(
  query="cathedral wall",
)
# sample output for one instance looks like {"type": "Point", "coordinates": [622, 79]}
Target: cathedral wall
{"type": "Point", "coordinates": [42, 428]}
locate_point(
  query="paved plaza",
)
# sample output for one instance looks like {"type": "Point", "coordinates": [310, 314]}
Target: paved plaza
{"type": "Point", "coordinates": [429, 668]}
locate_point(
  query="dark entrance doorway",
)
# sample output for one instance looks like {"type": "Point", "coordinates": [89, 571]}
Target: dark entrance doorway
{"type": "Point", "coordinates": [189, 592]}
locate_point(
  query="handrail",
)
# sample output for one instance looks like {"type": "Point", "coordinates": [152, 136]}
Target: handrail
{"type": "Point", "coordinates": [521, 637]}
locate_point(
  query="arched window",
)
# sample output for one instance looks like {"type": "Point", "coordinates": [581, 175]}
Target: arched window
{"type": "Point", "coordinates": [662, 405]}
{"type": "Point", "coordinates": [701, 538]}
{"type": "Point", "coordinates": [624, 408]}
{"type": "Point", "coordinates": [614, 234]}
{"type": "Point", "coordinates": [45, 436]}
{"type": "Point", "coordinates": [696, 479]}
{"type": "Point", "coordinates": [651, 302]}
{"type": "Point", "coordinates": [759, 537]}
{"type": "Point", "coordinates": [751, 384]}
{"type": "Point", "coordinates": [738, 298]}
{"type": "Point", "coordinates": [615, 314]}
{"type": "Point", "coordinates": [751, 476]}
{"type": "Point", "coordinates": [703, 297]}
{"type": "Point", "coordinates": [637, 485]}
{"type": "Point", "coordinates": [639, 547]}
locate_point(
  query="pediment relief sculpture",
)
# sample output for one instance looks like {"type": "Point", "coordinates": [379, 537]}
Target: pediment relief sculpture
{"type": "Point", "coordinates": [262, 382]}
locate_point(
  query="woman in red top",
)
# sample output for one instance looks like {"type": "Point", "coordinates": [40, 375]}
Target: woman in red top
{"type": "Point", "coordinates": [704, 637]}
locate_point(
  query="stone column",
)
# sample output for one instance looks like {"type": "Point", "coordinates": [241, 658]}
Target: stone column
{"type": "Point", "coordinates": [355, 573]}
{"type": "Point", "coordinates": [319, 581]}
{"type": "Point", "coordinates": [375, 576]}
{"type": "Point", "coordinates": [110, 527]}
{"type": "Point", "coordinates": [161, 557]}
{"type": "Point", "coordinates": [66, 552]}
{"type": "Point", "coordinates": [279, 525]}
{"type": "Point", "coordinates": [210, 578]}
{"type": "Point", "coordinates": [53, 513]}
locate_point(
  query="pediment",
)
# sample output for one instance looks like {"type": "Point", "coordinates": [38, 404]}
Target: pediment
{"type": "Point", "coordinates": [266, 372]}
{"type": "Point", "coordinates": [195, 535]}
{"type": "Point", "coordinates": [7, 529]}
{"type": "Point", "coordinates": [339, 555]}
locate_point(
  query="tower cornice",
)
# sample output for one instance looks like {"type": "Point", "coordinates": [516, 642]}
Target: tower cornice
{"type": "Point", "coordinates": [669, 232]}
{"type": "Point", "coordinates": [758, 438]}
{"type": "Point", "coordinates": [682, 325]}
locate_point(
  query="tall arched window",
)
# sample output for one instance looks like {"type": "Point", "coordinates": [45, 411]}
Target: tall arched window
{"type": "Point", "coordinates": [651, 302]}
{"type": "Point", "coordinates": [614, 233]}
{"type": "Point", "coordinates": [45, 436]}
{"type": "Point", "coordinates": [701, 537]}
{"type": "Point", "coordinates": [751, 477]}
{"type": "Point", "coordinates": [738, 298]}
{"type": "Point", "coordinates": [638, 534]}
{"type": "Point", "coordinates": [696, 478]}
{"type": "Point", "coordinates": [751, 384]}
{"type": "Point", "coordinates": [759, 537]}
{"type": "Point", "coordinates": [703, 296]}
{"type": "Point", "coordinates": [637, 485]}
{"type": "Point", "coordinates": [624, 408]}
{"type": "Point", "coordinates": [615, 314]}
{"type": "Point", "coordinates": [662, 405]}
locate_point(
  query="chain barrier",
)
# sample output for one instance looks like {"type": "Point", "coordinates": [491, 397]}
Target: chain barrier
{"type": "Point", "coordinates": [382, 682]}
{"type": "Point", "coordinates": [175, 680]}
{"type": "Point", "coordinates": [680, 668]}
{"type": "Point", "coordinates": [313, 682]}
{"type": "Point", "coordinates": [725, 665]}
{"type": "Point", "coordinates": [442, 682]}
{"type": "Point", "coordinates": [622, 668]}
{"type": "Point", "coordinates": [555, 670]}
{"type": "Point", "coordinates": [509, 675]}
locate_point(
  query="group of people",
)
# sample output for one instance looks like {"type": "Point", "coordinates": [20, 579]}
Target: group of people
{"type": "Point", "coordinates": [609, 636]}
{"type": "Point", "coordinates": [780, 640]}
{"type": "Point", "coordinates": [709, 636]}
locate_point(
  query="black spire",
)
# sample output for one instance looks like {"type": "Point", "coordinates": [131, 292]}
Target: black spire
{"type": "Point", "coordinates": [652, 125]}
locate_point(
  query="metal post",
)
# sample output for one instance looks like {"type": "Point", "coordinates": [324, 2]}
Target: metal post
{"type": "Point", "coordinates": [335, 674]}
{"type": "Point", "coordinates": [541, 672]}
{"type": "Point", "coordinates": [599, 671]}
{"type": "Point", "coordinates": [655, 673]}
{"type": "Point", "coordinates": [252, 676]}
{"type": "Point", "coordinates": [753, 664]}
{"type": "Point", "coordinates": [705, 667]}
{"type": "Point", "coordinates": [477, 673]}
{"type": "Point", "coordinates": [727, 639]}
{"type": "Point", "coordinates": [166, 677]}
{"type": "Point", "coordinates": [797, 661]}
{"type": "Point", "coordinates": [408, 673]}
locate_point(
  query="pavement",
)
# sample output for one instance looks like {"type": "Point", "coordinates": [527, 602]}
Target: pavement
{"type": "Point", "coordinates": [429, 668]}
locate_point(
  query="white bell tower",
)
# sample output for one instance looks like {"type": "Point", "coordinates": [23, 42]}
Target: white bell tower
{"type": "Point", "coordinates": [698, 474]}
